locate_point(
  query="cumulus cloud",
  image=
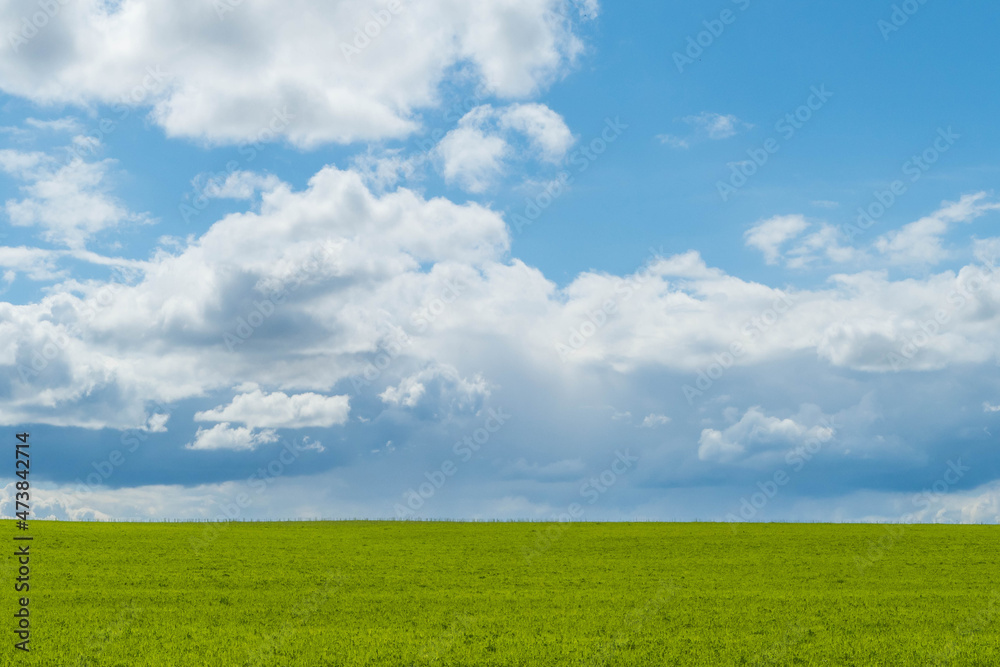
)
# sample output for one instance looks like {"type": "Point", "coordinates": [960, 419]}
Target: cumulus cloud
{"type": "Point", "coordinates": [413, 308]}
{"type": "Point", "coordinates": [546, 129]}
{"type": "Point", "coordinates": [987, 251]}
{"type": "Point", "coordinates": [783, 239]}
{"type": "Point", "coordinates": [220, 76]}
{"type": "Point", "coordinates": [472, 158]}
{"type": "Point", "coordinates": [292, 495]}
{"type": "Point", "coordinates": [69, 200]}
{"type": "Point", "coordinates": [827, 242]}
{"type": "Point", "coordinates": [342, 257]}
{"type": "Point", "coordinates": [258, 409]}
{"type": "Point", "coordinates": [157, 422]}
{"type": "Point", "coordinates": [240, 185]}
{"type": "Point", "coordinates": [654, 420]}
{"type": "Point", "coordinates": [223, 436]}
{"type": "Point", "coordinates": [769, 235]}
{"type": "Point", "coordinates": [917, 243]}
{"type": "Point", "coordinates": [475, 153]}
{"type": "Point", "coordinates": [383, 171]}
{"type": "Point", "coordinates": [358, 272]}
{"type": "Point", "coordinates": [35, 263]}
{"type": "Point", "coordinates": [754, 432]}
{"type": "Point", "coordinates": [449, 389]}
{"type": "Point", "coordinates": [401, 321]}
{"type": "Point", "coordinates": [922, 242]}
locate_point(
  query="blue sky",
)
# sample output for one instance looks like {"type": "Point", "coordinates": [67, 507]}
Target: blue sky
{"type": "Point", "coordinates": [502, 260]}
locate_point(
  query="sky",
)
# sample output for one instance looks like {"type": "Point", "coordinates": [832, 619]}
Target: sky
{"type": "Point", "coordinates": [512, 259]}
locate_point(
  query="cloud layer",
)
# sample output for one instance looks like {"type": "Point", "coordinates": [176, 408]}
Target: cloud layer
{"type": "Point", "coordinates": [344, 71]}
{"type": "Point", "coordinates": [345, 340]}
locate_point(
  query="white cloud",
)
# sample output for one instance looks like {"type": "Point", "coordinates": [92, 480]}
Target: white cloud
{"type": "Point", "coordinates": [66, 124]}
{"type": "Point", "coordinates": [472, 158]}
{"type": "Point", "coordinates": [768, 236]}
{"type": "Point", "coordinates": [383, 171]}
{"type": "Point", "coordinates": [222, 436]}
{"type": "Point", "coordinates": [673, 141]}
{"type": "Point", "coordinates": [475, 153]}
{"type": "Point", "coordinates": [36, 263]}
{"type": "Point", "coordinates": [344, 257]}
{"type": "Point", "coordinates": [706, 125]}
{"type": "Point", "coordinates": [157, 422]}
{"type": "Point", "coordinates": [825, 242]}
{"type": "Point", "coordinates": [921, 242]}
{"type": "Point", "coordinates": [279, 410]}
{"type": "Point", "coordinates": [546, 129]}
{"type": "Point", "coordinates": [70, 200]}
{"type": "Point", "coordinates": [449, 388]}
{"type": "Point", "coordinates": [987, 251]}
{"type": "Point", "coordinates": [588, 8]}
{"type": "Point", "coordinates": [654, 420]}
{"type": "Point", "coordinates": [231, 72]}
{"type": "Point", "coordinates": [367, 275]}
{"type": "Point", "coordinates": [295, 496]}
{"type": "Point", "coordinates": [716, 125]}
{"type": "Point", "coordinates": [991, 408]}
{"type": "Point", "coordinates": [360, 270]}
{"type": "Point", "coordinates": [755, 432]}
{"type": "Point", "coordinates": [240, 185]}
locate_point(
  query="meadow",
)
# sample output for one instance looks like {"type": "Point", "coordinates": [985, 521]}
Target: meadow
{"type": "Point", "coordinates": [438, 593]}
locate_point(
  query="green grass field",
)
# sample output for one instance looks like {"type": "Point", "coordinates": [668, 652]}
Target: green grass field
{"type": "Point", "coordinates": [389, 593]}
